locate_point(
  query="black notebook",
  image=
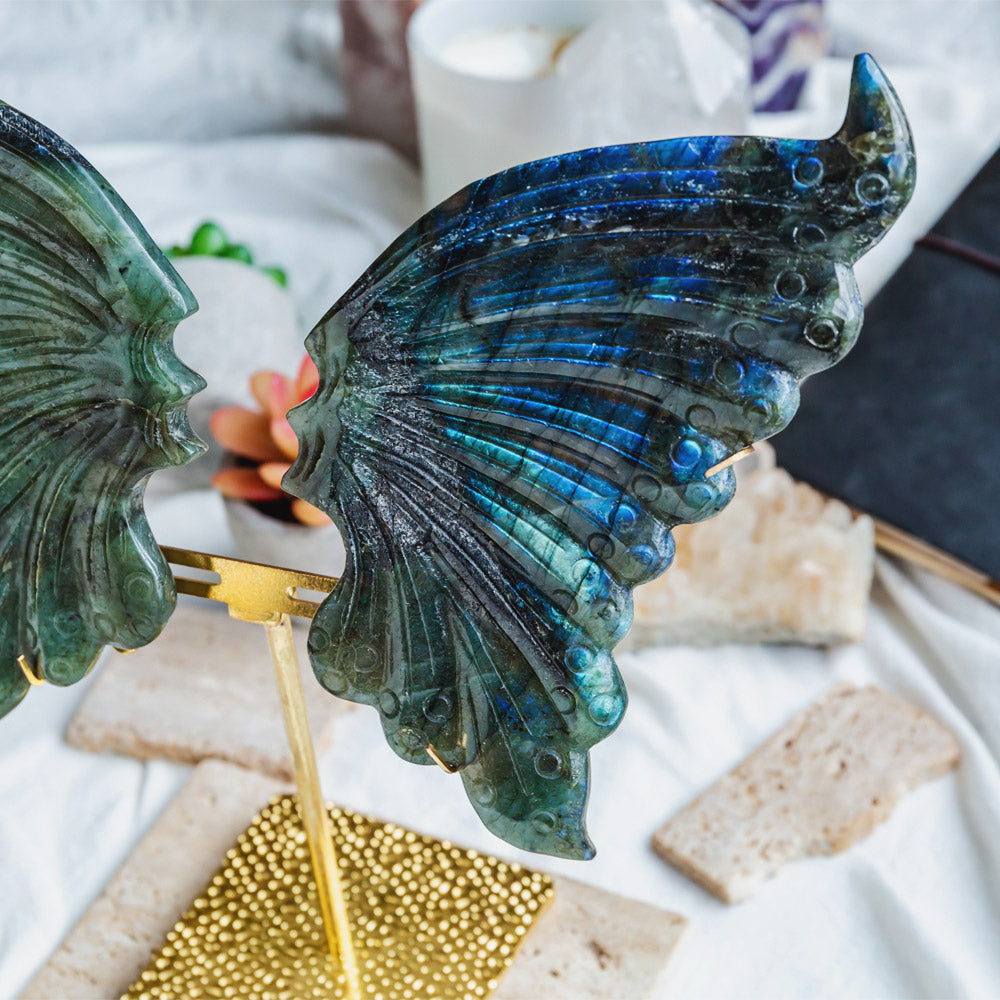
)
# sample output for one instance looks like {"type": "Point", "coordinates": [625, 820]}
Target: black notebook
{"type": "Point", "coordinates": [907, 427]}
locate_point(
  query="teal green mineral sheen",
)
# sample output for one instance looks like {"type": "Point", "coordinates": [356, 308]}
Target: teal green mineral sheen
{"type": "Point", "coordinates": [526, 392]}
{"type": "Point", "coordinates": [92, 401]}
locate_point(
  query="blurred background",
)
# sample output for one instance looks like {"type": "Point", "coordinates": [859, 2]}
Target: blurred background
{"type": "Point", "coordinates": [274, 148]}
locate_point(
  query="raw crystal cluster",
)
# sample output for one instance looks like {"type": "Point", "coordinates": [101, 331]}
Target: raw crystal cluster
{"type": "Point", "coordinates": [92, 401]}
{"type": "Point", "coordinates": [530, 388]}
{"type": "Point", "coordinates": [782, 563]}
{"type": "Point", "coordinates": [653, 68]}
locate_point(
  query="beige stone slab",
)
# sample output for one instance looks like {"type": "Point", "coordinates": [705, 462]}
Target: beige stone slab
{"type": "Point", "coordinates": [204, 689]}
{"type": "Point", "coordinates": [588, 945]}
{"type": "Point", "coordinates": [593, 945]}
{"type": "Point", "coordinates": [817, 786]}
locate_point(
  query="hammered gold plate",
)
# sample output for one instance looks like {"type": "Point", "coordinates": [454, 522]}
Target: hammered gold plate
{"type": "Point", "coordinates": [429, 919]}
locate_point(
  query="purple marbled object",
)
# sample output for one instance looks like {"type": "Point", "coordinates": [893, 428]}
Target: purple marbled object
{"type": "Point", "coordinates": [786, 38]}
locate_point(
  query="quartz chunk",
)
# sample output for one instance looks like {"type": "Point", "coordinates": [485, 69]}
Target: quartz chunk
{"type": "Point", "coordinates": [781, 563]}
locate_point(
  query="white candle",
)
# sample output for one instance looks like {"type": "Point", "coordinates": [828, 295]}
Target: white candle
{"type": "Point", "coordinates": [501, 82]}
{"type": "Point", "coordinates": [518, 52]}
{"type": "Point", "coordinates": [483, 84]}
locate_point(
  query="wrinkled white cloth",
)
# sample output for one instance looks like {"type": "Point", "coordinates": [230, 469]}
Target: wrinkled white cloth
{"type": "Point", "coordinates": [914, 910]}
{"type": "Point", "coordinates": [111, 70]}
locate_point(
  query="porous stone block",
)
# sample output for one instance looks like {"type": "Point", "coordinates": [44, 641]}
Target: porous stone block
{"type": "Point", "coordinates": [588, 945]}
{"type": "Point", "coordinates": [781, 563]}
{"type": "Point", "coordinates": [817, 786]}
{"type": "Point", "coordinates": [205, 688]}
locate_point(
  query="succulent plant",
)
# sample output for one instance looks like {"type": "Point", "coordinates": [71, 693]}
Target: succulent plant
{"type": "Point", "coordinates": [265, 444]}
{"type": "Point", "coordinates": [210, 240]}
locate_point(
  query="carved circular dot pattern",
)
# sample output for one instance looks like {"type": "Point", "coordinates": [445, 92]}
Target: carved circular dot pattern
{"type": "Point", "coordinates": [335, 682]}
{"type": "Point", "coordinates": [484, 793]}
{"type": "Point", "coordinates": [579, 659]}
{"type": "Point", "coordinates": [808, 171]}
{"type": "Point", "coordinates": [388, 703]}
{"type": "Point", "coordinates": [319, 639]}
{"type": "Point", "coordinates": [365, 660]}
{"type": "Point", "coordinates": [699, 495]}
{"type": "Point", "coordinates": [437, 708]}
{"type": "Point", "coordinates": [872, 188]}
{"type": "Point", "coordinates": [686, 453]}
{"type": "Point", "coordinates": [625, 518]}
{"type": "Point", "coordinates": [139, 586]}
{"type": "Point", "coordinates": [701, 417]}
{"type": "Point", "coordinates": [646, 488]}
{"type": "Point", "coordinates": [548, 764]}
{"type": "Point", "coordinates": [823, 332]}
{"type": "Point", "coordinates": [605, 710]}
{"type": "Point", "coordinates": [745, 335]}
{"type": "Point", "coordinates": [564, 700]}
{"type": "Point", "coordinates": [601, 547]}
{"type": "Point", "coordinates": [790, 285]}
{"type": "Point", "coordinates": [645, 555]}
{"type": "Point", "coordinates": [543, 822]}
{"type": "Point", "coordinates": [808, 236]}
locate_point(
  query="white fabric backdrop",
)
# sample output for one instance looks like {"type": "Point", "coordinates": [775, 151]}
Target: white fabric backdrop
{"type": "Point", "coordinates": [913, 911]}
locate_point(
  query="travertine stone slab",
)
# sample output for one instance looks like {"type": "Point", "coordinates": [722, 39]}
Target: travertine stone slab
{"type": "Point", "coordinates": [592, 945]}
{"type": "Point", "coordinates": [204, 689]}
{"type": "Point", "coordinates": [781, 563]}
{"type": "Point", "coordinates": [588, 945]}
{"type": "Point", "coordinates": [817, 786]}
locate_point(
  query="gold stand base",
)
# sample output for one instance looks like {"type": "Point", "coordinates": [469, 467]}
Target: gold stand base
{"type": "Point", "coordinates": [428, 919]}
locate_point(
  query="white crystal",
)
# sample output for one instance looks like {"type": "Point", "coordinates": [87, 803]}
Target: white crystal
{"type": "Point", "coordinates": [513, 52]}
{"type": "Point", "coordinates": [781, 563]}
{"type": "Point", "coordinates": [651, 69]}
{"type": "Point", "coordinates": [502, 83]}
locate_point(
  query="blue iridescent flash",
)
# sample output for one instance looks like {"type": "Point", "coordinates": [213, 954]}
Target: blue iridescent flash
{"type": "Point", "coordinates": [525, 393]}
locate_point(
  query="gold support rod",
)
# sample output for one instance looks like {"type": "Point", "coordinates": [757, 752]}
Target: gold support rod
{"type": "Point", "coordinates": [311, 806]}
{"type": "Point", "coordinates": [268, 595]}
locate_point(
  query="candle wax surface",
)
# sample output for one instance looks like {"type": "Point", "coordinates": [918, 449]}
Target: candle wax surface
{"type": "Point", "coordinates": [518, 52]}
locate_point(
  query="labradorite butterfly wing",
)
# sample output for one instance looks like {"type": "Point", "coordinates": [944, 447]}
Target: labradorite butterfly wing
{"type": "Point", "coordinates": [92, 401]}
{"type": "Point", "coordinates": [526, 392]}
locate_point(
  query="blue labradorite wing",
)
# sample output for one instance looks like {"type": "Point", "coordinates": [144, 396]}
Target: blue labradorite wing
{"type": "Point", "coordinates": [92, 400]}
{"type": "Point", "coordinates": [527, 391]}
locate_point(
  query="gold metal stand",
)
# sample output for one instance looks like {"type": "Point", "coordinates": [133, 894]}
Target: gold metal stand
{"type": "Point", "coordinates": [430, 919]}
{"type": "Point", "coordinates": [267, 595]}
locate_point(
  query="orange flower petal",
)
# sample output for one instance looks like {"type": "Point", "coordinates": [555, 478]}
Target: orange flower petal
{"type": "Point", "coordinates": [284, 437]}
{"type": "Point", "coordinates": [273, 391]}
{"type": "Point", "coordinates": [307, 380]}
{"type": "Point", "coordinates": [271, 472]}
{"type": "Point", "coordinates": [244, 484]}
{"type": "Point", "coordinates": [260, 386]}
{"type": "Point", "coordinates": [245, 433]}
{"type": "Point", "coordinates": [308, 514]}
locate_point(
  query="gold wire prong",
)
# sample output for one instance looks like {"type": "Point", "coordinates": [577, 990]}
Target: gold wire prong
{"type": "Point", "coordinates": [315, 818]}
{"type": "Point", "coordinates": [33, 678]}
{"type": "Point", "coordinates": [440, 761]}
{"type": "Point", "coordinates": [732, 460]}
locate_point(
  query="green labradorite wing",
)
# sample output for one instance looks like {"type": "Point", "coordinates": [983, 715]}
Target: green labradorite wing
{"type": "Point", "coordinates": [528, 390]}
{"type": "Point", "coordinates": [92, 401]}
